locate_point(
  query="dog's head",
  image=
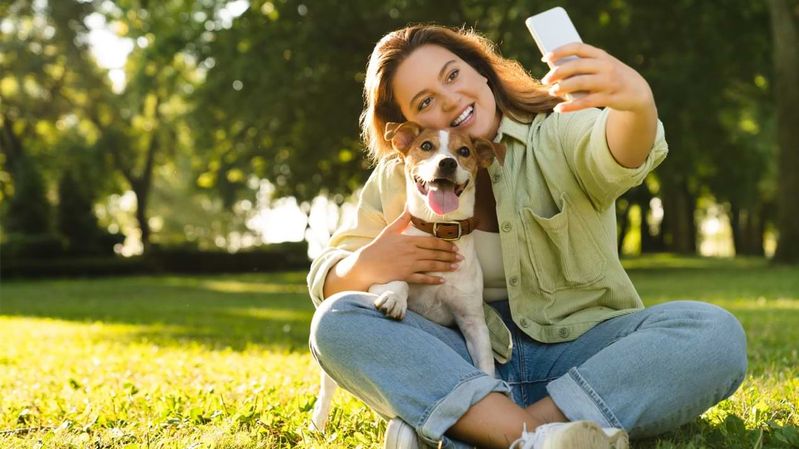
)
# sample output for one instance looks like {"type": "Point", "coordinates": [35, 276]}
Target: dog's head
{"type": "Point", "coordinates": [441, 166]}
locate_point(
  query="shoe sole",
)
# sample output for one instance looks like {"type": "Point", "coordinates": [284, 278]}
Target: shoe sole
{"type": "Point", "coordinates": [586, 435]}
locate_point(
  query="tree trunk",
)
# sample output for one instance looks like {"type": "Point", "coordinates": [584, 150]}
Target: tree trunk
{"type": "Point", "coordinates": [142, 192]}
{"type": "Point", "coordinates": [648, 242]}
{"type": "Point", "coordinates": [736, 219]}
{"type": "Point", "coordinates": [756, 228]}
{"type": "Point", "coordinates": [10, 144]}
{"type": "Point", "coordinates": [748, 227]}
{"type": "Point", "coordinates": [784, 27]}
{"type": "Point", "coordinates": [679, 228]}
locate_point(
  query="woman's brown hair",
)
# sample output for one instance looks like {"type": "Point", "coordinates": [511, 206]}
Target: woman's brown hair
{"type": "Point", "coordinates": [517, 94]}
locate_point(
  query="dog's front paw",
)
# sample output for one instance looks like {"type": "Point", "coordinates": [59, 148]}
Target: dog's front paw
{"type": "Point", "coordinates": [392, 305]}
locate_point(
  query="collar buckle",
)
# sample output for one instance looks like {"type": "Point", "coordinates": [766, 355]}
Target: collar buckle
{"type": "Point", "coordinates": [449, 239]}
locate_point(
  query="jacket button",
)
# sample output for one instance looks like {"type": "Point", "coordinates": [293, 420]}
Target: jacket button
{"type": "Point", "coordinates": [507, 226]}
{"type": "Point", "coordinates": [523, 322]}
{"type": "Point", "coordinates": [514, 280]}
{"type": "Point", "coordinates": [563, 332]}
{"type": "Point", "coordinates": [495, 179]}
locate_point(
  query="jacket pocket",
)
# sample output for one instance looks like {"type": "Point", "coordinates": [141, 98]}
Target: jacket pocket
{"type": "Point", "coordinates": [562, 248]}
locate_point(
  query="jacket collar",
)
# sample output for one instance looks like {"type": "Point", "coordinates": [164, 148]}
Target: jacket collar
{"type": "Point", "coordinates": [512, 128]}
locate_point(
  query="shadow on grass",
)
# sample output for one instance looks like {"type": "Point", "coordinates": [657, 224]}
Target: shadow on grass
{"type": "Point", "coordinates": [729, 434]}
{"type": "Point", "coordinates": [272, 310]}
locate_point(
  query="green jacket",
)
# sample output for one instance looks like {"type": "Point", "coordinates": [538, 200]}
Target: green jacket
{"type": "Point", "coordinates": [555, 194]}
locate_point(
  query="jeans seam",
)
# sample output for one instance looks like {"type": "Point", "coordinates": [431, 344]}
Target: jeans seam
{"type": "Point", "coordinates": [522, 370]}
{"type": "Point", "coordinates": [598, 401]}
{"type": "Point", "coordinates": [527, 382]}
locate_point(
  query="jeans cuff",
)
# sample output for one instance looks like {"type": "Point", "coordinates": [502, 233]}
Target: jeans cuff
{"type": "Point", "coordinates": [579, 401]}
{"type": "Point", "coordinates": [447, 411]}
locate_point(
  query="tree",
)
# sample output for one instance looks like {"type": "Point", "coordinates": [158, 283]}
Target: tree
{"type": "Point", "coordinates": [785, 31]}
{"type": "Point", "coordinates": [28, 222]}
{"type": "Point", "coordinates": [44, 71]}
{"type": "Point", "coordinates": [141, 127]}
{"type": "Point", "coordinates": [47, 79]}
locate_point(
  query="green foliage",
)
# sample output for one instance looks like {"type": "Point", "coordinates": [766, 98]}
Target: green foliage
{"type": "Point", "coordinates": [28, 218]}
{"type": "Point", "coordinates": [222, 361]}
{"type": "Point", "coordinates": [29, 210]}
{"type": "Point", "coordinates": [76, 220]}
{"type": "Point", "coordinates": [275, 94]}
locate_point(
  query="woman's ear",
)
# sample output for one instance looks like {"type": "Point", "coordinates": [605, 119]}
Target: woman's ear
{"type": "Point", "coordinates": [402, 135]}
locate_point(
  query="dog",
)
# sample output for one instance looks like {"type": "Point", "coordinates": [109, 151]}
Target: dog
{"type": "Point", "coordinates": [440, 176]}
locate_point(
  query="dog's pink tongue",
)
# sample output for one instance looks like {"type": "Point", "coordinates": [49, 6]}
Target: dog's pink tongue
{"type": "Point", "coordinates": [442, 198]}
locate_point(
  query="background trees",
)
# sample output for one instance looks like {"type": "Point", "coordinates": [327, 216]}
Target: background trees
{"type": "Point", "coordinates": [221, 95]}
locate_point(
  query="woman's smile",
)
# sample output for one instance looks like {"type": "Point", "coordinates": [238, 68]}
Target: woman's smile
{"type": "Point", "coordinates": [465, 118]}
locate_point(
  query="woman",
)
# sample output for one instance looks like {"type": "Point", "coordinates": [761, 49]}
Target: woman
{"type": "Point", "coordinates": [582, 363]}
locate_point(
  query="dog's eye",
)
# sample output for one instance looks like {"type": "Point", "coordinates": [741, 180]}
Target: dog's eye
{"type": "Point", "coordinates": [463, 151]}
{"type": "Point", "coordinates": [427, 146]}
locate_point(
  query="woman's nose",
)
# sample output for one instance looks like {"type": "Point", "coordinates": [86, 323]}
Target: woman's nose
{"type": "Point", "coordinates": [450, 102]}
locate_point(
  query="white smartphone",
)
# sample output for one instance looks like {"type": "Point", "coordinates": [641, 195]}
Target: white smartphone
{"type": "Point", "coordinates": [552, 29]}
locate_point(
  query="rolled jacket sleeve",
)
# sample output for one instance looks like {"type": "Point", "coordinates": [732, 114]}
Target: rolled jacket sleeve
{"type": "Point", "coordinates": [381, 200]}
{"type": "Point", "coordinates": [602, 178]}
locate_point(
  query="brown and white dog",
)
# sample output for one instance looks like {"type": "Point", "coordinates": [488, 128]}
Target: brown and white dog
{"type": "Point", "coordinates": [440, 176]}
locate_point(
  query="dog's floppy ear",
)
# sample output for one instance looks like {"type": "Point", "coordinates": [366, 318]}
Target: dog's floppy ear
{"type": "Point", "coordinates": [485, 150]}
{"type": "Point", "coordinates": [402, 135]}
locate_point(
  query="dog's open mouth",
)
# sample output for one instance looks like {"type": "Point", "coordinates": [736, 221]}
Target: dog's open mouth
{"type": "Point", "coordinates": [442, 194]}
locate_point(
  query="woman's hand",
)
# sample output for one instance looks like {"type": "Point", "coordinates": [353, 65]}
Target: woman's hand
{"type": "Point", "coordinates": [606, 81]}
{"type": "Point", "coordinates": [394, 256]}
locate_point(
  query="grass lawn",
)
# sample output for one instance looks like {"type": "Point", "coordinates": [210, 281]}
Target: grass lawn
{"type": "Point", "coordinates": [222, 361]}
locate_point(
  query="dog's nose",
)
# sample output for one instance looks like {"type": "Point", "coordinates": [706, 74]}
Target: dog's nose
{"type": "Point", "coordinates": [447, 164]}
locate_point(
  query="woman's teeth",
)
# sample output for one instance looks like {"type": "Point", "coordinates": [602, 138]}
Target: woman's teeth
{"type": "Point", "coordinates": [464, 115]}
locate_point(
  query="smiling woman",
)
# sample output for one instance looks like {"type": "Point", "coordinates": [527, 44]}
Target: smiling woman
{"type": "Point", "coordinates": [450, 96]}
{"type": "Point", "coordinates": [572, 340]}
{"type": "Point", "coordinates": [463, 79]}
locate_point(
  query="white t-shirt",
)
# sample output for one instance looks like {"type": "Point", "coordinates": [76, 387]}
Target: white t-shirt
{"type": "Point", "coordinates": [489, 253]}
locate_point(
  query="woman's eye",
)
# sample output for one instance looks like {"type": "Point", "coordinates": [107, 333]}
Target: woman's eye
{"type": "Point", "coordinates": [424, 103]}
{"type": "Point", "coordinates": [453, 75]}
{"type": "Point", "coordinates": [463, 151]}
{"type": "Point", "coordinates": [427, 146]}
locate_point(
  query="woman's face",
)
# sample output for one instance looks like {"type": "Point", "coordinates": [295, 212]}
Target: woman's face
{"type": "Point", "coordinates": [436, 89]}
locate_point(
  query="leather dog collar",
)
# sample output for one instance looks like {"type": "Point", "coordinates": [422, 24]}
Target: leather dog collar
{"type": "Point", "coordinates": [446, 230]}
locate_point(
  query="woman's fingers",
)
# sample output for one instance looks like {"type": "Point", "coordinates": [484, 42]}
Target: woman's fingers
{"type": "Point", "coordinates": [584, 83]}
{"type": "Point", "coordinates": [587, 101]}
{"type": "Point", "coordinates": [422, 278]}
{"type": "Point", "coordinates": [578, 49]}
{"type": "Point", "coordinates": [571, 68]}
{"type": "Point", "coordinates": [429, 266]}
{"type": "Point", "coordinates": [445, 256]}
{"type": "Point", "coordinates": [434, 244]}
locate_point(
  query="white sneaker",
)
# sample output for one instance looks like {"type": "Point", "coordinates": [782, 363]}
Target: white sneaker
{"type": "Point", "coordinates": [572, 435]}
{"type": "Point", "coordinates": [400, 435]}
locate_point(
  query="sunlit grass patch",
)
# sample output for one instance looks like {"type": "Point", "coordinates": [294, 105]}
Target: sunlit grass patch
{"type": "Point", "coordinates": [222, 361]}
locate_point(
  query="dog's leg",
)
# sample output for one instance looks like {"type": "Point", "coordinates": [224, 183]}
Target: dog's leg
{"type": "Point", "coordinates": [392, 298]}
{"type": "Point", "coordinates": [321, 410]}
{"type": "Point", "coordinates": [478, 342]}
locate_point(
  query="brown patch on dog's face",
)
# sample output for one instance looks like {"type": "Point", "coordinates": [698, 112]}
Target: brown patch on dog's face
{"type": "Point", "coordinates": [472, 153]}
{"type": "Point", "coordinates": [417, 143]}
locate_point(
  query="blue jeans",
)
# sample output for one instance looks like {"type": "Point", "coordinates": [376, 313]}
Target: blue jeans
{"type": "Point", "coordinates": [646, 372]}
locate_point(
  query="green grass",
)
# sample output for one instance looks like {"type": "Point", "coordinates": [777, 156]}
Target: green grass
{"type": "Point", "coordinates": [222, 361]}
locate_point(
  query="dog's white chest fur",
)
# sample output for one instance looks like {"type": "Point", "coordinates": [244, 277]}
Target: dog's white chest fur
{"type": "Point", "coordinates": [460, 294]}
